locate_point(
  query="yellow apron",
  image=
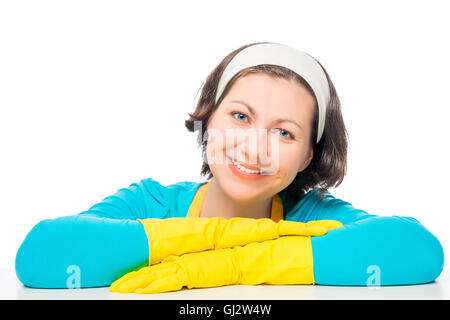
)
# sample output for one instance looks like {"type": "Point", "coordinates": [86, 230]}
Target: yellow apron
{"type": "Point", "coordinates": [276, 212]}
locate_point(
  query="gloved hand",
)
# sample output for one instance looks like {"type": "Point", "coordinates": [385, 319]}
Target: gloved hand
{"type": "Point", "coordinates": [286, 260]}
{"type": "Point", "coordinates": [177, 236]}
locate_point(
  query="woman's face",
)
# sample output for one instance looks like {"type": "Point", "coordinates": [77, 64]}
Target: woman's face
{"type": "Point", "coordinates": [263, 124]}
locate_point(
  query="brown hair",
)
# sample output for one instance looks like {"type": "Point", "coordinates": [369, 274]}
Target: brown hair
{"type": "Point", "coordinates": [329, 163]}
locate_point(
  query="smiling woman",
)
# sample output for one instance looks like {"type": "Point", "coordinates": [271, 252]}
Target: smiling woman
{"type": "Point", "coordinates": [274, 142]}
{"type": "Point", "coordinates": [276, 91]}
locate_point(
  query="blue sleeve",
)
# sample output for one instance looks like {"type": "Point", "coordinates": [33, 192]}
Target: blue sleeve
{"type": "Point", "coordinates": [371, 249]}
{"type": "Point", "coordinates": [94, 247]}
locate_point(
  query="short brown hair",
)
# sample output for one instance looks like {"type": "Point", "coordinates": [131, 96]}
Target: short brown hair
{"type": "Point", "coordinates": [329, 163]}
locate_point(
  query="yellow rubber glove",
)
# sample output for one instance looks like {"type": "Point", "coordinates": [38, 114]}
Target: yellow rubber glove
{"type": "Point", "coordinates": [177, 236]}
{"type": "Point", "coordinates": [286, 260]}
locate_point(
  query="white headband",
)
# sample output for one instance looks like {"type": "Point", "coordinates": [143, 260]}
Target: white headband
{"type": "Point", "coordinates": [282, 55]}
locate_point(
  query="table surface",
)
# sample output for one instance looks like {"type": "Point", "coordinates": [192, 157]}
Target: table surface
{"type": "Point", "coordinates": [12, 289]}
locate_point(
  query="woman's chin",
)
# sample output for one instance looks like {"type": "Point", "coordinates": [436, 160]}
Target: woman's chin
{"type": "Point", "coordinates": [240, 191]}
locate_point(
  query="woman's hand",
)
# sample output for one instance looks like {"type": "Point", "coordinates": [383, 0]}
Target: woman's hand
{"type": "Point", "coordinates": [286, 260]}
{"type": "Point", "coordinates": [177, 236]}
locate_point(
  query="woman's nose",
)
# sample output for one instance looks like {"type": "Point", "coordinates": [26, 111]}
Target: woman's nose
{"type": "Point", "coordinates": [257, 147]}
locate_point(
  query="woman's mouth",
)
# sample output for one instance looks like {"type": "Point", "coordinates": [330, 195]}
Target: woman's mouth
{"type": "Point", "coordinates": [243, 171]}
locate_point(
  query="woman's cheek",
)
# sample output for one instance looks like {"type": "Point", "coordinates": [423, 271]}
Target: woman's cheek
{"type": "Point", "coordinates": [289, 160]}
{"type": "Point", "coordinates": [215, 146]}
{"type": "Point", "coordinates": [222, 141]}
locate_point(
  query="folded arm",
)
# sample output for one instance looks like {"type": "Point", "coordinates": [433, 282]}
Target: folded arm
{"type": "Point", "coordinates": [366, 250]}
{"type": "Point", "coordinates": [371, 249]}
{"type": "Point", "coordinates": [117, 236]}
{"type": "Point", "coordinates": [100, 244]}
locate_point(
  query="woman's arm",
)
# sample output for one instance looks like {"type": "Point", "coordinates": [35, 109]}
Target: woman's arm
{"type": "Point", "coordinates": [80, 251]}
{"type": "Point", "coordinates": [371, 249]}
{"type": "Point", "coordinates": [95, 247]}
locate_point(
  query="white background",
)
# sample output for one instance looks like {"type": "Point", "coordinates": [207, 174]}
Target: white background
{"type": "Point", "coordinates": [94, 94]}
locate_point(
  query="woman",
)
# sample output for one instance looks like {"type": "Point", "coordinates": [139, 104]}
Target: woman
{"type": "Point", "coordinates": [273, 140]}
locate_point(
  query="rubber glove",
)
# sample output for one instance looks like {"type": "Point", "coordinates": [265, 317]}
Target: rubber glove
{"type": "Point", "coordinates": [177, 236]}
{"type": "Point", "coordinates": [286, 260]}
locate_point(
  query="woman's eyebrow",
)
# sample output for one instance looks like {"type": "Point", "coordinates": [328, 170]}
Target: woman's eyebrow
{"type": "Point", "coordinates": [252, 111]}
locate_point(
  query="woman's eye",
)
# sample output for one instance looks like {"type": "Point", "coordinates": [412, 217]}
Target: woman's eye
{"type": "Point", "coordinates": [239, 116]}
{"type": "Point", "coordinates": [243, 118]}
{"type": "Point", "coordinates": [285, 134]}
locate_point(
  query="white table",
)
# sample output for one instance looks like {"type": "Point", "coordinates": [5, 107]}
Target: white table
{"type": "Point", "coordinates": [12, 289]}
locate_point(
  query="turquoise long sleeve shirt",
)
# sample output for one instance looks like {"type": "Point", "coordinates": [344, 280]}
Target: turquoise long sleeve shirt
{"type": "Point", "coordinates": [106, 241]}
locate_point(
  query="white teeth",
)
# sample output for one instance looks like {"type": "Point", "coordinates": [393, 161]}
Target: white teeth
{"type": "Point", "coordinates": [244, 169]}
